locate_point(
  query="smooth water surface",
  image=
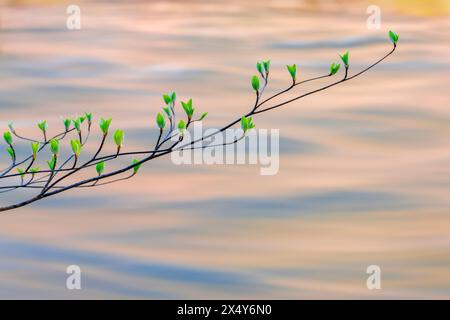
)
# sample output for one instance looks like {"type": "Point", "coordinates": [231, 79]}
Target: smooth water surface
{"type": "Point", "coordinates": [364, 174]}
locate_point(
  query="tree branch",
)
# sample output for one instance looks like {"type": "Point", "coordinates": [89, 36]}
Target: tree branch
{"type": "Point", "coordinates": [49, 187]}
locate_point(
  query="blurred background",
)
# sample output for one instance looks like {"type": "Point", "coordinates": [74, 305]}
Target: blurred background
{"type": "Point", "coordinates": [364, 173]}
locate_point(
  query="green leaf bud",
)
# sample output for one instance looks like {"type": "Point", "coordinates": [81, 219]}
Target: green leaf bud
{"type": "Point", "coordinates": [54, 146]}
{"type": "Point", "coordinates": [137, 165]}
{"type": "Point", "coordinates": [266, 66]}
{"type": "Point", "coordinates": [292, 71]}
{"type": "Point", "coordinates": [76, 147]}
{"type": "Point", "coordinates": [118, 137]}
{"type": "Point", "coordinates": [67, 123]}
{"type": "Point", "coordinates": [393, 37]}
{"type": "Point", "coordinates": [77, 124]}
{"type": "Point", "coordinates": [88, 117]}
{"type": "Point", "coordinates": [246, 123]}
{"type": "Point", "coordinates": [255, 83]}
{"type": "Point", "coordinates": [344, 58]}
{"type": "Point", "coordinates": [34, 170]}
{"type": "Point", "coordinates": [167, 99]}
{"type": "Point", "coordinates": [43, 126]}
{"type": "Point", "coordinates": [259, 67]}
{"type": "Point", "coordinates": [11, 153]}
{"type": "Point", "coordinates": [35, 148]}
{"type": "Point", "coordinates": [167, 111]}
{"type": "Point", "coordinates": [334, 68]}
{"type": "Point", "coordinates": [52, 163]}
{"type": "Point", "coordinates": [100, 167]}
{"type": "Point", "coordinates": [104, 125]}
{"type": "Point", "coordinates": [8, 137]}
{"type": "Point", "coordinates": [181, 125]}
{"type": "Point", "coordinates": [160, 121]}
{"type": "Point", "coordinates": [21, 172]}
{"type": "Point", "coordinates": [188, 108]}
{"type": "Point", "coordinates": [173, 97]}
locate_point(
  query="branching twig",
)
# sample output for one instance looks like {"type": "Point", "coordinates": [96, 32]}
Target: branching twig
{"type": "Point", "coordinates": [49, 182]}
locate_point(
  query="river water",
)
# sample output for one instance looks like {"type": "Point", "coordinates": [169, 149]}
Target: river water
{"type": "Point", "coordinates": [364, 173]}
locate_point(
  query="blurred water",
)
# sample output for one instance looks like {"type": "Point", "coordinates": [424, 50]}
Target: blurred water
{"type": "Point", "coordinates": [364, 172]}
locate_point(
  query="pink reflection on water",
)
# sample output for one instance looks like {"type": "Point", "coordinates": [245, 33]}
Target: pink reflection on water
{"type": "Point", "coordinates": [372, 189]}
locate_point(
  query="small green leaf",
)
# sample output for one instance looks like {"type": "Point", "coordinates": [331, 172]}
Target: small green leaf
{"type": "Point", "coordinates": [11, 126]}
{"type": "Point", "coordinates": [8, 137]}
{"type": "Point", "coordinates": [54, 146]}
{"type": "Point", "coordinates": [43, 126]}
{"type": "Point", "coordinates": [259, 67]}
{"type": "Point", "coordinates": [11, 153]}
{"type": "Point", "coordinates": [88, 117]}
{"type": "Point", "coordinates": [67, 123]}
{"type": "Point", "coordinates": [255, 83]}
{"type": "Point", "coordinates": [137, 166]}
{"type": "Point", "coordinates": [160, 121]}
{"type": "Point", "coordinates": [344, 58]}
{"type": "Point", "coordinates": [292, 71]}
{"type": "Point", "coordinates": [167, 111]}
{"type": "Point", "coordinates": [118, 137]}
{"type": "Point", "coordinates": [81, 119]}
{"type": "Point", "coordinates": [21, 172]}
{"type": "Point", "coordinates": [181, 125]}
{"type": "Point", "coordinates": [104, 125]}
{"type": "Point", "coordinates": [246, 123]}
{"type": "Point", "coordinates": [188, 108]}
{"type": "Point", "coordinates": [35, 148]}
{"type": "Point", "coordinates": [52, 163]}
{"type": "Point", "coordinates": [34, 170]}
{"type": "Point", "coordinates": [393, 36]}
{"type": "Point", "coordinates": [167, 99]}
{"type": "Point", "coordinates": [334, 68]}
{"type": "Point", "coordinates": [76, 147]}
{"type": "Point", "coordinates": [77, 124]}
{"type": "Point", "coordinates": [100, 167]}
{"type": "Point", "coordinates": [203, 116]}
{"type": "Point", "coordinates": [173, 97]}
{"type": "Point", "coordinates": [266, 66]}
{"type": "Point", "coordinates": [250, 123]}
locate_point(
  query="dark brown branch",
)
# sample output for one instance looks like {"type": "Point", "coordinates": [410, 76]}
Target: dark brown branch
{"type": "Point", "coordinates": [51, 189]}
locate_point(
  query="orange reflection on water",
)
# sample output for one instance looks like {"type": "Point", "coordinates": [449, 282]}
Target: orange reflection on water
{"type": "Point", "coordinates": [364, 167]}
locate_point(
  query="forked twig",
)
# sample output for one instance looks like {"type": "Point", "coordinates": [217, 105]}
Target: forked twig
{"type": "Point", "coordinates": [49, 182]}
